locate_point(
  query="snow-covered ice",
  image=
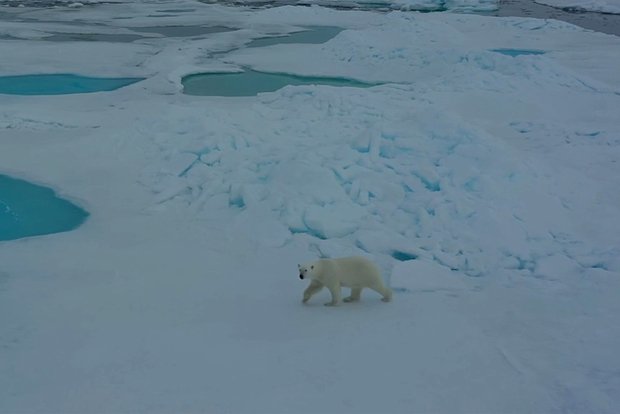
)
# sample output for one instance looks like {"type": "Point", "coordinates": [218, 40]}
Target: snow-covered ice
{"type": "Point", "coordinates": [484, 184]}
{"type": "Point", "coordinates": [604, 6]}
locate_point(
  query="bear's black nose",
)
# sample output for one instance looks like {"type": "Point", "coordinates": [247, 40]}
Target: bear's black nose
{"type": "Point", "coordinates": [301, 276]}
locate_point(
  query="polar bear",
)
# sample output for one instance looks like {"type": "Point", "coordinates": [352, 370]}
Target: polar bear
{"type": "Point", "coordinates": [355, 272]}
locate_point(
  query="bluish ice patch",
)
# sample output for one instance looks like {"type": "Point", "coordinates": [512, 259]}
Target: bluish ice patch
{"type": "Point", "coordinates": [388, 151]}
{"type": "Point", "coordinates": [314, 35]}
{"type": "Point", "coordinates": [428, 184]}
{"type": "Point", "coordinates": [235, 198]}
{"type": "Point", "coordinates": [361, 246]}
{"type": "Point", "coordinates": [389, 136]}
{"type": "Point", "coordinates": [160, 15]}
{"type": "Point", "coordinates": [363, 149]}
{"type": "Point", "coordinates": [308, 231]}
{"type": "Point", "coordinates": [176, 11]}
{"type": "Point", "coordinates": [236, 202]}
{"type": "Point", "coordinates": [525, 264]}
{"type": "Point", "coordinates": [588, 134]}
{"type": "Point", "coordinates": [522, 127]}
{"type": "Point", "coordinates": [406, 188]}
{"type": "Point", "coordinates": [251, 83]}
{"type": "Point", "coordinates": [403, 256]}
{"type": "Point", "coordinates": [518, 52]}
{"type": "Point", "coordinates": [31, 210]}
{"type": "Point", "coordinates": [60, 84]}
{"type": "Point", "coordinates": [187, 169]}
{"type": "Point", "coordinates": [472, 185]}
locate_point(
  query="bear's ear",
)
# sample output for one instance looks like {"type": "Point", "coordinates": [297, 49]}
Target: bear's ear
{"type": "Point", "coordinates": [299, 266]}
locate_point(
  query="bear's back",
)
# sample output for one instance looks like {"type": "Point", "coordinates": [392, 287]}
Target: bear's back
{"type": "Point", "coordinates": [355, 271]}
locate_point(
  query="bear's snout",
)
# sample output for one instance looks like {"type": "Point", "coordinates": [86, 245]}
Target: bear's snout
{"type": "Point", "coordinates": [301, 276]}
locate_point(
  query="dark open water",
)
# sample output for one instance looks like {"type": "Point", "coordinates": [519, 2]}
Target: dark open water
{"type": "Point", "coordinates": [602, 22]}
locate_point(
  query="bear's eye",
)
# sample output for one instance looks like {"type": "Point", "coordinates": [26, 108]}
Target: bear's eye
{"type": "Point", "coordinates": [311, 267]}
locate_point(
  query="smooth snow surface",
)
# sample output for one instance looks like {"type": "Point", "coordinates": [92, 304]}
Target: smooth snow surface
{"type": "Point", "coordinates": [604, 6]}
{"type": "Point", "coordinates": [484, 185]}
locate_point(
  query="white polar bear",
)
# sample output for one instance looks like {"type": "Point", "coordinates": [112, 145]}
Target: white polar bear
{"type": "Point", "coordinates": [354, 272]}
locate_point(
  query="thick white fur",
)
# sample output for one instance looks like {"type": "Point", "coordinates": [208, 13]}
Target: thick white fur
{"type": "Point", "coordinates": [354, 272]}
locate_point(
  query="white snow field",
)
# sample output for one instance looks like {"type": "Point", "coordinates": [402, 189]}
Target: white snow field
{"type": "Point", "coordinates": [603, 6]}
{"type": "Point", "coordinates": [481, 177]}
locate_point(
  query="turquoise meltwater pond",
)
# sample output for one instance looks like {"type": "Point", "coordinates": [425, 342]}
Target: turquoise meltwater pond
{"type": "Point", "coordinates": [60, 84]}
{"type": "Point", "coordinates": [31, 210]}
{"type": "Point", "coordinates": [251, 83]}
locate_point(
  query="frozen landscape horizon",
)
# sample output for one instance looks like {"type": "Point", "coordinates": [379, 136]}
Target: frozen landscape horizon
{"type": "Point", "coordinates": [473, 158]}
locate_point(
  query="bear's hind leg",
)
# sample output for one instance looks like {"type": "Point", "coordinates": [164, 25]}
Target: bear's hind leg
{"type": "Point", "coordinates": [355, 295]}
{"type": "Point", "coordinates": [384, 291]}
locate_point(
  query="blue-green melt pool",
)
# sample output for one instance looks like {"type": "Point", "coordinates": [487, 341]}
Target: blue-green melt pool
{"type": "Point", "coordinates": [32, 210]}
{"type": "Point", "coordinates": [60, 84]}
{"type": "Point", "coordinates": [251, 83]}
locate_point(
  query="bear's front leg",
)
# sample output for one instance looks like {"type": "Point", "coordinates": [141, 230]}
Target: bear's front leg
{"type": "Point", "coordinates": [335, 291]}
{"type": "Point", "coordinates": [312, 288]}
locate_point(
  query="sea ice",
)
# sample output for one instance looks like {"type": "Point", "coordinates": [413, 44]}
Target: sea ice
{"type": "Point", "coordinates": [484, 185]}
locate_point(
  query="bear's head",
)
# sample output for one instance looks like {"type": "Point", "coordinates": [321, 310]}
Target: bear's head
{"type": "Point", "coordinates": [306, 270]}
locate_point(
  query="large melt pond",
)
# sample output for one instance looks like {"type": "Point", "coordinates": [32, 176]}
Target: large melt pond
{"type": "Point", "coordinates": [60, 84]}
{"type": "Point", "coordinates": [251, 83]}
{"type": "Point", "coordinates": [313, 35]}
{"type": "Point", "coordinates": [31, 210]}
